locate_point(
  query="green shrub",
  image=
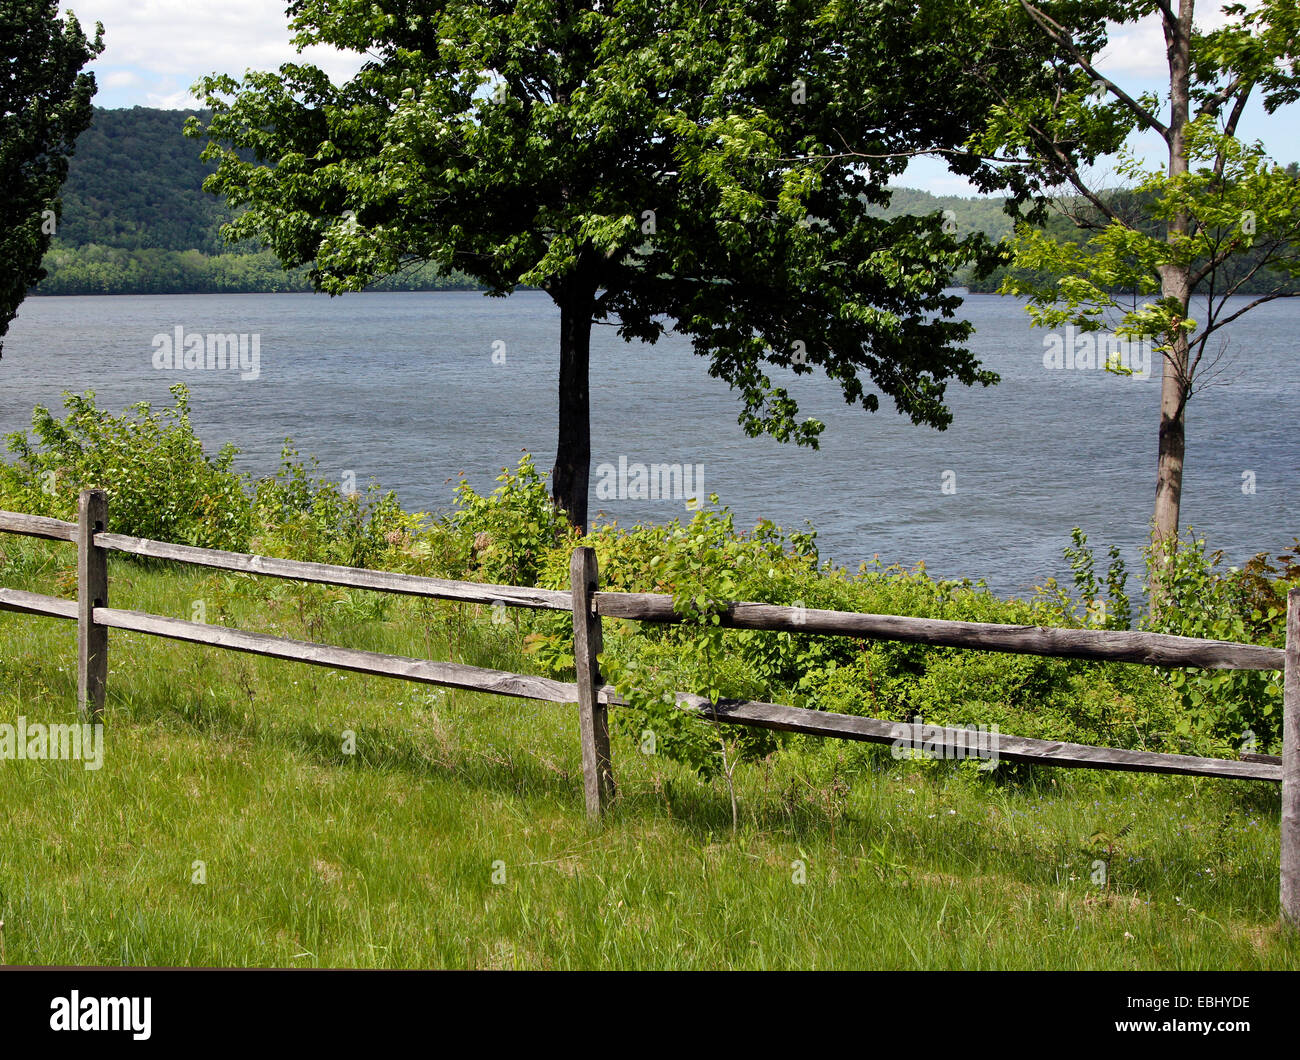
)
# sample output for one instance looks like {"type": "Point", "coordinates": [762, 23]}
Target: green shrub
{"type": "Point", "coordinates": [162, 485]}
{"type": "Point", "coordinates": [1198, 597]}
{"type": "Point", "coordinates": [300, 516]}
{"type": "Point", "coordinates": [1111, 611]}
{"type": "Point", "coordinates": [160, 482]}
{"type": "Point", "coordinates": [706, 562]}
{"type": "Point", "coordinates": [505, 535]}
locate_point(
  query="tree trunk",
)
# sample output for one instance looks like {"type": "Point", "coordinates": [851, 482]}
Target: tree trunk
{"type": "Point", "coordinates": [570, 476]}
{"type": "Point", "coordinates": [1174, 284]}
{"type": "Point", "coordinates": [1173, 440]}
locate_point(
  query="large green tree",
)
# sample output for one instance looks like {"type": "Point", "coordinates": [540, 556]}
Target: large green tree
{"type": "Point", "coordinates": [44, 106]}
{"type": "Point", "coordinates": [1226, 217]}
{"type": "Point", "coordinates": [651, 165]}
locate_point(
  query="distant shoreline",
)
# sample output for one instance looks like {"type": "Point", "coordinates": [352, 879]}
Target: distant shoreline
{"type": "Point", "coordinates": [230, 294]}
{"type": "Point", "coordinates": [963, 291]}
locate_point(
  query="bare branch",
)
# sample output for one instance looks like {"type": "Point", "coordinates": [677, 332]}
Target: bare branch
{"type": "Point", "coordinates": [1072, 174]}
{"type": "Point", "coordinates": [1270, 297]}
{"type": "Point", "coordinates": [1230, 127]}
{"type": "Point", "coordinates": [1216, 259]}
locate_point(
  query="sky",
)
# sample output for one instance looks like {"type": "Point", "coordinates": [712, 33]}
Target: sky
{"type": "Point", "coordinates": [156, 49]}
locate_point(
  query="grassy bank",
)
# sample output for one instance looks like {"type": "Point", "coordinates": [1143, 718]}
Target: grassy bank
{"type": "Point", "coordinates": [387, 857]}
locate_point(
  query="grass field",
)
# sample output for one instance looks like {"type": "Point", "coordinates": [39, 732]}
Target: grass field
{"type": "Point", "coordinates": [454, 836]}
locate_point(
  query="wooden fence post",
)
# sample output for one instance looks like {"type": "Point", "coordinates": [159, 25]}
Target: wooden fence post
{"type": "Point", "coordinates": [1291, 766]}
{"type": "Point", "coordinates": [92, 592]}
{"type": "Point", "coordinates": [593, 720]}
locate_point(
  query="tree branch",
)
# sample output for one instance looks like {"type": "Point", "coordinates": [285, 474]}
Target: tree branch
{"type": "Point", "coordinates": [1270, 297]}
{"type": "Point", "coordinates": [1058, 35]}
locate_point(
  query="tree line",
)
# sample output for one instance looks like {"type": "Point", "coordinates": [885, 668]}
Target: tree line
{"type": "Point", "coordinates": [136, 220]}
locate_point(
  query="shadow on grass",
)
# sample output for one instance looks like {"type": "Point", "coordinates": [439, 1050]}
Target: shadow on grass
{"type": "Point", "coordinates": [503, 770]}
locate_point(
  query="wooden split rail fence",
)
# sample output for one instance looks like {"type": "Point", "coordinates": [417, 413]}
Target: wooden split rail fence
{"type": "Point", "coordinates": [94, 618]}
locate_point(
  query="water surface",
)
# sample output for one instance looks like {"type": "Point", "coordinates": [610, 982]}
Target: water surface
{"type": "Point", "coordinates": [404, 389]}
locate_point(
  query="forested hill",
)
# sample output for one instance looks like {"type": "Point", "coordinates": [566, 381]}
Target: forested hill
{"type": "Point", "coordinates": [135, 183]}
{"type": "Point", "coordinates": [136, 219]}
{"type": "Point", "coordinates": [971, 214]}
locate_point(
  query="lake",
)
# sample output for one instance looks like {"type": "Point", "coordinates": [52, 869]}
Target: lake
{"type": "Point", "coordinates": [411, 389]}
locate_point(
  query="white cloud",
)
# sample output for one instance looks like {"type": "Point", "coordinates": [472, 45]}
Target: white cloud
{"type": "Point", "coordinates": [171, 101]}
{"type": "Point", "coordinates": [119, 79]}
{"type": "Point", "coordinates": [184, 40]}
{"type": "Point", "coordinates": [1137, 51]}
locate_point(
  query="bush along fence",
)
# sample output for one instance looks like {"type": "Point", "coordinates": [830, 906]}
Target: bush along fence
{"type": "Point", "coordinates": [94, 618]}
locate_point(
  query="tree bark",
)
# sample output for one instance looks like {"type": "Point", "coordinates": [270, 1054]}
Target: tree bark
{"type": "Point", "coordinates": [1173, 443]}
{"type": "Point", "coordinates": [572, 471]}
{"type": "Point", "coordinates": [1175, 284]}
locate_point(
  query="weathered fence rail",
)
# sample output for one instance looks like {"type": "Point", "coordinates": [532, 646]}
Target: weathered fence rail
{"type": "Point", "coordinates": [1148, 649]}
{"type": "Point", "coordinates": [589, 605]}
{"type": "Point", "coordinates": [330, 574]}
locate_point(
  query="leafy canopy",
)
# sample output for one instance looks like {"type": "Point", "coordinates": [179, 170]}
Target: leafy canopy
{"type": "Point", "coordinates": [711, 169]}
